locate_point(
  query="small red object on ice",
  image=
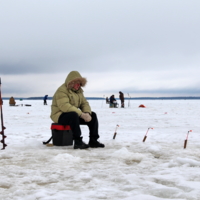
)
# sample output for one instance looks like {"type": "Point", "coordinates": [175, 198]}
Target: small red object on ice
{"type": "Point", "coordinates": [142, 106]}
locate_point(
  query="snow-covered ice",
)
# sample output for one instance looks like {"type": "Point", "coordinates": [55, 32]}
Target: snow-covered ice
{"type": "Point", "coordinates": [127, 168]}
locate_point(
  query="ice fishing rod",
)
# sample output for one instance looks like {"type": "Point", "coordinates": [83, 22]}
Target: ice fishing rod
{"type": "Point", "coordinates": [103, 100]}
{"type": "Point", "coordinates": [2, 125]}
{"type": "Point", "coordinates": [145, 137]}
{"type": "Point", "coordinates": [115, 133]}
{"type": "Point", "coordinates": [185, 142]}
{"type": "Point", "coordinates": [129, 105]}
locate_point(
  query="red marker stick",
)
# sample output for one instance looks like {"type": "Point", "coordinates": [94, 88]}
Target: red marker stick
{"type": "Point", "coordinates": [146, 134]}
{"type": "Point", "coordinates": [115, 133]}
{"type": "Point", "coordinates": [185, 142]}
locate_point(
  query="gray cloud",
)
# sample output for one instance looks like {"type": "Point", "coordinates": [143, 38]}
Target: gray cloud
{"type": "Point", "coordinates": [48, 37]}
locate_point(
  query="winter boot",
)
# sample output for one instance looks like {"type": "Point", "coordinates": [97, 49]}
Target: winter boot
{"type": "Point", "coordinates": [93, 143]}
{"type": "Point", "coordinates": [79, 144]}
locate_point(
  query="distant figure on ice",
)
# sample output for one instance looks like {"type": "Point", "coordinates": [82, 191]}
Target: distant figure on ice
{"type": "Point", "coordinates": [107, 100]}
{"type": "Point", "coordinates": [12, 101]}
{"type": "Point", "coordinates": [121, 96]}
{"type": "Point", "coordinates": [113, 102]}
{"type": "Point", "coordinates": [69, 107]}
{"type": "Point", "coordinates": [45, 99]}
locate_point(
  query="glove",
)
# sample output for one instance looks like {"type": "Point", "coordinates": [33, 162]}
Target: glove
{"type": "Point", "coordinates": [86, 117]}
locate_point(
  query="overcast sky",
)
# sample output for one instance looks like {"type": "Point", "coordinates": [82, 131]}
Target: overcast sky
{"type": "Point", "coordinates": [140, 47]}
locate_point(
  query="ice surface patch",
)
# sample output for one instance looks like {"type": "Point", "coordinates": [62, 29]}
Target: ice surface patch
{"type": "Point", "coordinates": [125, 169]}
{"type": "Point", "coordinates": [82, 176]}
{"type": "Point", "coordinates": [146, 197]}
{"type": "Point", "coordinates": [66, 158]}
{"type": "Point", "coordinates": [5, 156]}
{"type": "Point", "coordinates": [5, 184]}
{"type": "Point", "coordinates": [190, 162]}
{"type": "Point", "coordinates": [124, 154]}
{"type": "Point", "coordinates": [154, 149]}
{"type": "Point", "coordinates": [184, 162]}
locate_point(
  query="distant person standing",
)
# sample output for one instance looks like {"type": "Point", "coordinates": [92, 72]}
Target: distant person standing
{"type": "Point", "coordinates": [12, 101]}
{"type": "Point", "coordinates": [45, 99]}
{"type": "Point", "coordinates": [121, 96]}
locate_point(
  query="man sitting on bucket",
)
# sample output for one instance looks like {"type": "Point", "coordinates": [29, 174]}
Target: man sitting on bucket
{"type": "Point", "coordinates": [69, 107]}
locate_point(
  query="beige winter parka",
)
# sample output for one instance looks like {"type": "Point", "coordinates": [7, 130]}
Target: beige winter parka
{"type": "Point", "coordinates": [66, 99]}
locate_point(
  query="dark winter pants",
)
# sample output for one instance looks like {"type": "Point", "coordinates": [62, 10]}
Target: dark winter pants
{"type": "Point", "coordinates": [45, 102]}
{"type": "Point", "coordinates": [74, 121]}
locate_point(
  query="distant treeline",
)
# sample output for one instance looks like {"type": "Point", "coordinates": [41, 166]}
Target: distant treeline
{"type": "Point", "coordinates": [101, 98]}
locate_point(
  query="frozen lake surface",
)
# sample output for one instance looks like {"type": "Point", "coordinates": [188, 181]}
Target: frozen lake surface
{"type": "Point", "coordinates": [127, 168]}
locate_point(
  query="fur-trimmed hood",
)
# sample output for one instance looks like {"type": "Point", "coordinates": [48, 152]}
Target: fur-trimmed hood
{"type": "Point", "coordinates": [73, 77]}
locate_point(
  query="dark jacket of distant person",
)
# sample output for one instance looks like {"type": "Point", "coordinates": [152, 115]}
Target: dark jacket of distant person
{"type": "Point", "coordinates": [112, 99]}
{"type": "Point", "coordinates": [121, 96]}
{"type": "Point", "coordinates": [45, 97]}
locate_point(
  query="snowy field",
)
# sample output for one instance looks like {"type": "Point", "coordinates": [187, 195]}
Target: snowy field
{"type": "Point", "coordinates": [127, 168]}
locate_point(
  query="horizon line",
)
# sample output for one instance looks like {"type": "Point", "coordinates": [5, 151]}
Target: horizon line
{"type": "Point", "coordinates": [169, 97]}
